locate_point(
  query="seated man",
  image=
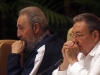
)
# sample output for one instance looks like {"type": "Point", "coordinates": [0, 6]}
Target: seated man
{"type": "Point", "coordinates": [82, 54]}
{"type": "Point", "coordinates": [43, 49]}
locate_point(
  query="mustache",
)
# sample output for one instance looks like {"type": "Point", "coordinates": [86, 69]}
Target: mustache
{"type": "Point", "coordinates": [22, 39]}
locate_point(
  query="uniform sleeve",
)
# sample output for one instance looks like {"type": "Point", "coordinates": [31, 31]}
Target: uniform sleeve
{"type": "Point", "coordinates": [13, 65]}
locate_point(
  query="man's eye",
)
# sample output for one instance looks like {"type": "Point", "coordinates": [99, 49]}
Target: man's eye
{"type": "Point", "coordinates": [21, 28]}
{"type": "Point", "coordinates": [79, 34]}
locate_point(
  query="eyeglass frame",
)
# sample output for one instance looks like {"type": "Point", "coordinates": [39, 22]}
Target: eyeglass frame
{"type": "Point", "coordinates": [79, 35]}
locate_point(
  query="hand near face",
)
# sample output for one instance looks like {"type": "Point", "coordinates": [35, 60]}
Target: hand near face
{"type": "Point", "coordinates": [18, 47]}
{"type": "Point", "coordinates": [70, 51]}
{"type": "Point", "coordinates": [65, 62]}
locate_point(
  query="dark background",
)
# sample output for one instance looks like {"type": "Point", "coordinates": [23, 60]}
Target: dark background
{"type": "Point", "coordinates": [58, 12]}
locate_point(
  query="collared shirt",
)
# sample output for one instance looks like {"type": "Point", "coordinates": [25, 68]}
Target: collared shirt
{"type": "Point", "coordinates": [39, 40]}
{"type": "Point", "coordinates": [39, 56]}
{"type": "Point", "coordinates": [27, 52]}
{"type": "Point", "coordinates": [87, 65]}
{"type": "Point", "coordinates": [38, 60]}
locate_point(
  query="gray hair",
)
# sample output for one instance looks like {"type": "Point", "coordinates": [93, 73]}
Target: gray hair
{"type": "Point", "coordinates": [91, 20]}
{"type": "Point", "coordinates": [35, 15]}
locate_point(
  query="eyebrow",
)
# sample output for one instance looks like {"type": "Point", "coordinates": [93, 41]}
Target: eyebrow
{"type": "Point", "coordinates": [78, 33]}
{"type": "Point", "coordinates": [18, 25]}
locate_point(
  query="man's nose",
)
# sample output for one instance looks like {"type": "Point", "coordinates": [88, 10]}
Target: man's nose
{"type": "Point", "coordinates": [19, 34]}
{"type": "Point", "coordinates": [75, 40]}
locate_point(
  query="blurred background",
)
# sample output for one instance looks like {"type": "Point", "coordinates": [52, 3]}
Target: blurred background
{"type": "Point", "coordinates": [58, 12]}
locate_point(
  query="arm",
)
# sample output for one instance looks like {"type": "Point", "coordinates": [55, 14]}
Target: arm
{"type": "Point", "coordinates": [94, 69]}
{"type": "Point", "coordinates": [70, 51]}
{"type": "Point", "coordinates": [13, 64]}
{"type": "Point", "coordinates": [76, 68]}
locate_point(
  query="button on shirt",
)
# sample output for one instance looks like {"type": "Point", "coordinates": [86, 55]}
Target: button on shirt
{"type": "Point", "coordinates": [87, 65]}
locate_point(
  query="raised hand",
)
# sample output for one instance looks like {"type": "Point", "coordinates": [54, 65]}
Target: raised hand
{"type": "Point", "coordinates": [71, 50]}
{"type": "Point", "coordinates": [18, 47]}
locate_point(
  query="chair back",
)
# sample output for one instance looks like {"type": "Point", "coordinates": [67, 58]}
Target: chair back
{"type": "Point", "coordinates": [5, 50]}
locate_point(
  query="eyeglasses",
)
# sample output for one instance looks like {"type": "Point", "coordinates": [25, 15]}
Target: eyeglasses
{"type": "Point", "coordinates": [77, 35]}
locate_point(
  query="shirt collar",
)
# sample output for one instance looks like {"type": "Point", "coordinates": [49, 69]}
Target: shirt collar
{"type": "Point", "coordinates": [95, 49]}
{"type": "Point", "coordinates": [39, 40]}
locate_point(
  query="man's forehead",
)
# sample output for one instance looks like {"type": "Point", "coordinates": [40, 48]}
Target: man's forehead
{"type": "Point", "coordinates": [79, 27]}
{"type": "Point", "coordinates": [22, 20]}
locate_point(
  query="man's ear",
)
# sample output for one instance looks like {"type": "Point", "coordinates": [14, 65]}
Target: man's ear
{"type": "Point", "coordinates": [36, 28]}
{"type": "Point", "coordinates": [95, 35]}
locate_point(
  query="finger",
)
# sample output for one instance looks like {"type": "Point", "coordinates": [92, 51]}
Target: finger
{"type": "Point", "coordinates": [69, 43]}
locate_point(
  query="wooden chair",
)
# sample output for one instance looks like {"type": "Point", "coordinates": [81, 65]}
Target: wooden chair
{"type": "Point", "coordinates": [7, 41]}
{"type": "Point", "coordinates": [5, 50]}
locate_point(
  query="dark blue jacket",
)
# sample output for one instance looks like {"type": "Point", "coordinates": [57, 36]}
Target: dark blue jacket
{"type": "Point", "coordinates": [52, 55]}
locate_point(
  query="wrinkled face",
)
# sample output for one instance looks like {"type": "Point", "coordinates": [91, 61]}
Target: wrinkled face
{"type": "Point", "coordinates": [25, 31]}
{"type": "Point", "coordinates": [82, 36]}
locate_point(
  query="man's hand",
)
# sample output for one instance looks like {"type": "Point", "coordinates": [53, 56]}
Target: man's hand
{"type": "Point", "coordinates": [71, 50]}
{"type": "Point", "coordinates": [18, 47]}
{"type": "Point", "coordinates": [65, 63]}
